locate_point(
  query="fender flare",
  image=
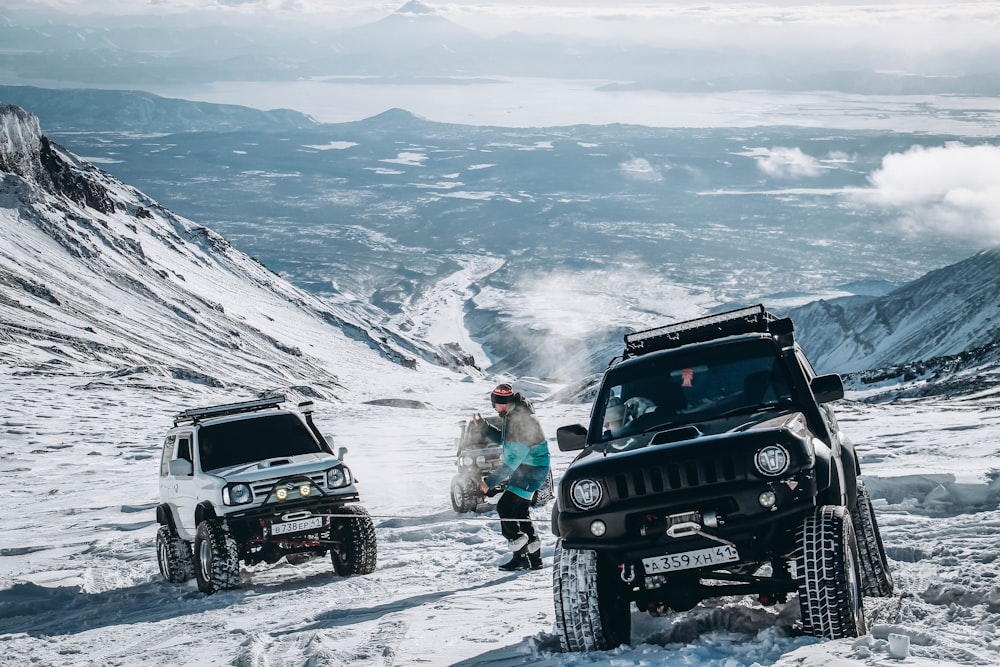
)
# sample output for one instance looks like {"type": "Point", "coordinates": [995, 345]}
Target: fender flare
{"type": "Point", "coordinates": [204, 510]}
{"type": "Point", "coordinates": [165, 516]}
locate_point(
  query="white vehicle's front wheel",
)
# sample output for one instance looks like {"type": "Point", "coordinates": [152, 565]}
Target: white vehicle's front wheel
{"type": "Point", "coordinates": [173, 555]}
{"type": "Point", "coordinates": [357, 552]}
{"type": "Point", "coordinates": [216, 556]}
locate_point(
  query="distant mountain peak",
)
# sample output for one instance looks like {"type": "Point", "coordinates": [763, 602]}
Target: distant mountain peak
{"type": "Point", "coordinates": [414, 7]}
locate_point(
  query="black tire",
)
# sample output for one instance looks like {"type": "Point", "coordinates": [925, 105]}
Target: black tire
{"type": "Point", "coordinates": [464, 496]}
{"type": "Point", "coordinates": [356, 551]}
{"type": "Point", "coordinates": [545, 493]}
{"type": "Point", "coordinates": [592, 613]}
{"type": "Point", "coordinates": [216, 558]}
{"type": "Point", "coordinates": [829, 576]}
{"type": "Point", "coordinates": [876, 579]}
{"type": "Point", "coordinates": [173, 555]}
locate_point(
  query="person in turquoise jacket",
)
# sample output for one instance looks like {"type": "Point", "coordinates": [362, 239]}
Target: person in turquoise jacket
{"type": "Point", "coordinates": [524, 465]}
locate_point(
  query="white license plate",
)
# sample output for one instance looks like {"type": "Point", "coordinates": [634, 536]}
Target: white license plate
{"type": "Point", "coordinates": [296, 526]}
{"type": "Point", "coordinates": [690, 559]}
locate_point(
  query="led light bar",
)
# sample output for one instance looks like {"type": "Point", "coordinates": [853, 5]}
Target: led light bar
{"type": "Point", "coordinates": [195, 414]}
{"type": "Point", "coordinates": [752, 319]}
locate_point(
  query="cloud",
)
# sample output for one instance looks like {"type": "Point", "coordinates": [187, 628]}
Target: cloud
{"type": "Point", "coordinates": [784, 162]}
{"type": "Point", "coordinates": [640, 169]}
{"type": "Point", "coordinates": [952, 189]}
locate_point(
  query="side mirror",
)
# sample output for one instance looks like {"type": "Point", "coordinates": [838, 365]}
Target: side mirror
{"type": "Point", "coordinates": [181, 468]}
{"type": "Point", "coordinates": [571, 438]}
{"type": "Point", "coordinates": [341, 452]}
{"type": "Point", "coordinates": [827, 388]}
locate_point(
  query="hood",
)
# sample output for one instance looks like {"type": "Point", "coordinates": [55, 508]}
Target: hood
{"type": "Point", "coordinates": [283, 466]}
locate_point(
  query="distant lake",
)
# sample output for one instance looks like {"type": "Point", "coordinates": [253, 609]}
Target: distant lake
{"type": "Point", "coordinates": [529, 102]}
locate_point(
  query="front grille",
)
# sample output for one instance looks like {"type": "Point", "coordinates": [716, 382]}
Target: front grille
{"type": "Point", "coordinates": [676, 476]}
{"type": "Point", "coordinates": [262, 488]}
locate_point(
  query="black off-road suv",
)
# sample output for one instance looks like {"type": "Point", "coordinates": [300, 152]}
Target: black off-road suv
{"type": "Point", "coordinates": [253, 482]}
{"type": "Point", "coordinates": [713, 467]}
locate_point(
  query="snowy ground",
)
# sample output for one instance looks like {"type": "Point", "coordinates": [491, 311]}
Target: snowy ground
{"type": "Point", "coordinates": [79, 583]}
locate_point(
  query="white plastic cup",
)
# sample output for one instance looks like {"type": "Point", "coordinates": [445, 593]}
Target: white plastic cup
{"type": "Point", "coordinates": [899, 645]}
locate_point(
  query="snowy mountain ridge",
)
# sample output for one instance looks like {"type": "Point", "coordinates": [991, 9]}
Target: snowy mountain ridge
{"type": "Point", "coordinates": [948, 318]}
{"type": "Point", "coordinates": [91, 267]}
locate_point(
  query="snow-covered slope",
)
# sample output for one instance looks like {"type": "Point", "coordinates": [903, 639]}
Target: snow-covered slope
{"type": "Point", "coordinates": [89, 267]}
{"type": "Point", "coordinates": [953, 310]}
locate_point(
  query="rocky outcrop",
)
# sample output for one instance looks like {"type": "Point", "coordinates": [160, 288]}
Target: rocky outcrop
{"type": "Point", "coordinates": [25, 152]}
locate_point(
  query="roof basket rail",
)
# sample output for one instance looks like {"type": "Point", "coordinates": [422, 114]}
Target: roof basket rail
{"type": "Point", "coordinates": [752, 319]}
{"type": "Point", "coordinates": [194, 415]}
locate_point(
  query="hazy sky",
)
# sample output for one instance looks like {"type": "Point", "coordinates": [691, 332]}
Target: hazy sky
{"type": "Point", "coordinates": [920, 25]}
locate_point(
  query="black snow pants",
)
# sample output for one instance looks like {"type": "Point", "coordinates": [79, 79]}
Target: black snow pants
{"type": "Point", "coordinates": [513, 506]}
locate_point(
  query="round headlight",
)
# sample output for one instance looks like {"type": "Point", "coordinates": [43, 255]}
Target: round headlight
{"type": "Point", "coordinates": [772, 460]}
{"type": "Point", "coordinates": [239, 494]}
{"type": "Point", "coordinates": [337, 477]}
{"type": "Point", "coordinates": [481, 461]}
{"type": "Point", "coordinates": [585, 493]}
{"type": "Point", "coordinates": [467, 460]}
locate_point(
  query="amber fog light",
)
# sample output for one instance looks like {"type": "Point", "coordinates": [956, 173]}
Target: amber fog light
{"type": "Point", "coordinates": [598, 528]}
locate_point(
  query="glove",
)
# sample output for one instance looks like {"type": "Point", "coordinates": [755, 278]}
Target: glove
{"type": "Point", "coordinates": [492, 492]}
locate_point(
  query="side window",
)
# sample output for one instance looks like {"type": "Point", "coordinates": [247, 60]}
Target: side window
{"type": "Point", "coordinates": [184, 447]}
{"type": "Point", "coordinates": [168, 453]}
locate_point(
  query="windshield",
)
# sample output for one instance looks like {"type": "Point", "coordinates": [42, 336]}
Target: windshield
{"type": "Point", "coordinates": [249, 440]}
{"type": "Point", "coordinates": [690, 387]}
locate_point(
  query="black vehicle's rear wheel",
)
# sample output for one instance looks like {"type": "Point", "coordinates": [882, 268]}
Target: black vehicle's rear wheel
{"type": "Point", "coordinates": [216, 558]}
{"type": "Point", "coordinates": [356, 551]}
{"type": "Point", "coordinates": [464, 496]}
{"type": "Point", "coordinates": [173, 555]}
{"type": "Point", "coordinates": [829, 577]}
{"type": "Point", "coordinates": [876, 579]}
{"type": "Point", "coordinates": [591, 609]}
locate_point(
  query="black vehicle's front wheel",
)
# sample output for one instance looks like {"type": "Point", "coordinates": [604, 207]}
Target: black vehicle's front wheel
{"type": "Point", "coordinates": [876, 579]}
{"type": "Point", "coordinates": [829, 576]}
{"type": "Point", "coordinates": [591, 609]}
{"type": "Point", "coordinates": [216, 558]}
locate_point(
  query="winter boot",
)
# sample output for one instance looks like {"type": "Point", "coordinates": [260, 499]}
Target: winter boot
{"type": "Point", "coordinates": [535, 554]}
{"type": "Point", "coordinates": [519, 561]}
{"type": "Point", "coordinates": [518, 542]}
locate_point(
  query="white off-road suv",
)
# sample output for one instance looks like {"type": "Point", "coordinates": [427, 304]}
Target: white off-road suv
{"type": "Point", "coordinates": [253, 482]}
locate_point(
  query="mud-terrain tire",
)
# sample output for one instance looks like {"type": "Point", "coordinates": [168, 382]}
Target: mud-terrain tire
{"type": "Point", "coordinates": [829, 576]}
{"type": "Point", "coordinates": [358, 551]}
{"type": "Point", "coordinates": [216, 558]}
{"type": "Point", "coordinates": [591, 612]}
{"type": "Point", "coordinates": [464, 496]}
{"type": "Point", "coordinates": [545, 493]}
{"type": "Point", "coordinates": [173, 555]}
{"type": "Point", "coordinates": [876, 579]}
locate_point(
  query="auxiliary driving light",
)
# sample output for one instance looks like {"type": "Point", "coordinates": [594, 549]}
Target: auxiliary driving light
{"type": "Point", "coordinates": [305, 490]}
{"type": "Point", "coordinates": [598, 528]}
{"type": "Point", "coordinates": [282, 493]}
{"type": "Point", "coordinates": [767, 499]}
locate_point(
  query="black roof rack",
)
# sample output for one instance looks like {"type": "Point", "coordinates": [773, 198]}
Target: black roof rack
{"type": "Point", "coordinates": [196, 414]}
{"type": "Point", "coordinates": [752, 319]}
